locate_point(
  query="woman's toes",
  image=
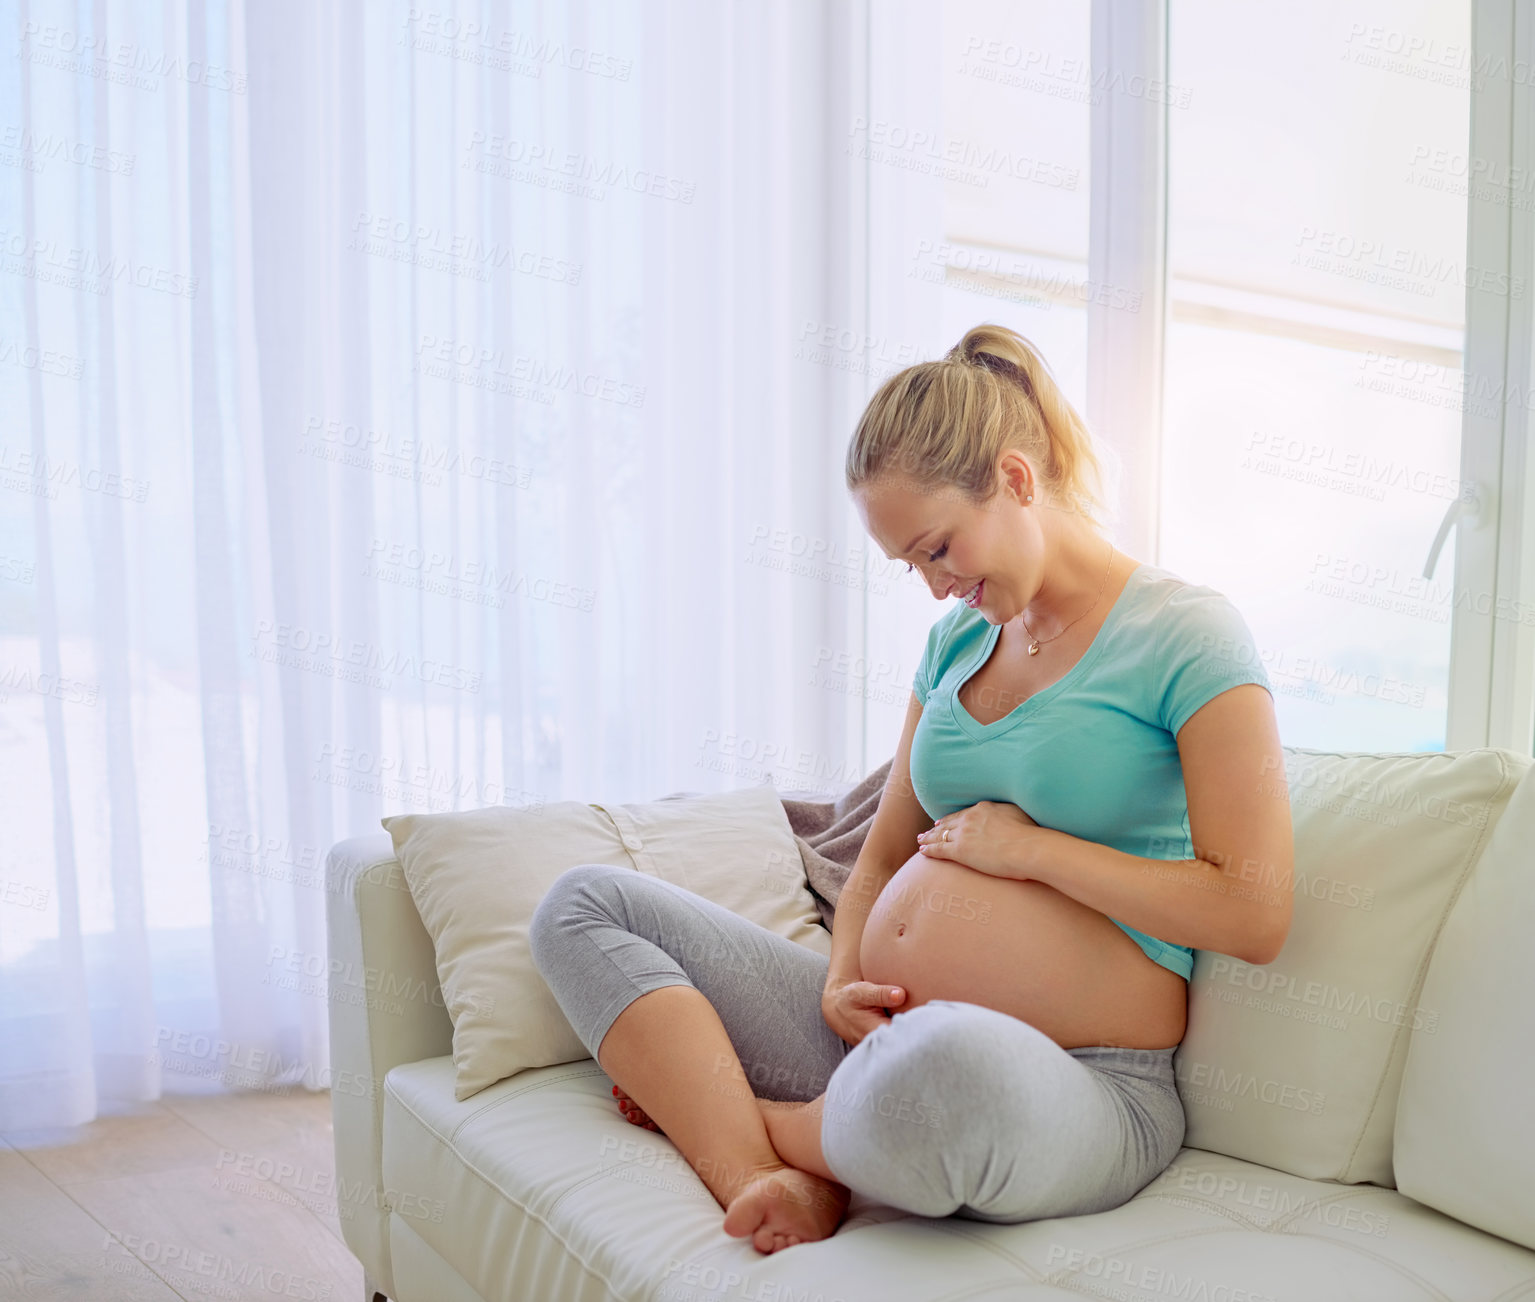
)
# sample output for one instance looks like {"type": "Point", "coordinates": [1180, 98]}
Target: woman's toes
{"type": "Point", "coordinates": [633, 1113]}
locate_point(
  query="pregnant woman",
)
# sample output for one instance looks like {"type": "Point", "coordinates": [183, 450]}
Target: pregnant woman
{"type": "Point", "coordinates": [1082, 795]}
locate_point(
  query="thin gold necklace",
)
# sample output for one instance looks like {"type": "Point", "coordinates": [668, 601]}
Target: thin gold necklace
{"type": "Point", "coordinates": [1036, 644]}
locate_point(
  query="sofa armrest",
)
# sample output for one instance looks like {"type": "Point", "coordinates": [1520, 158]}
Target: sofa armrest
{"type": "Point", "coordinates": [386, 1008]}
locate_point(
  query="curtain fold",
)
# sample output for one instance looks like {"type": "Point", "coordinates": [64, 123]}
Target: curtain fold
{"type": "Point", "coordinates": [406, 416]}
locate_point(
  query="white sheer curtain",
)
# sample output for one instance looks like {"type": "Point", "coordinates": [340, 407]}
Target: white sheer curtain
{"type": "Point", "coordinates": [404, 408]}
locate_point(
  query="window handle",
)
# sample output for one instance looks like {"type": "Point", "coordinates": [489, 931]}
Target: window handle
{"type": "Point", "coordinates": [1468, 506]}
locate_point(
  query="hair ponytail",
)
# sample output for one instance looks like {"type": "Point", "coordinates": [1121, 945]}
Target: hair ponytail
{"type": "Point", "coordinates": [947, 422]}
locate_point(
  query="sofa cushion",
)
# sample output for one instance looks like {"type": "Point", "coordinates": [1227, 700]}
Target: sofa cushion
{"type": "Point", "coordinates": [1465, 1121]}
{"type": "Point", "coordinates": [1297, 1063]}
{"type": "Point", "coordinates": [553, 1195]}
{"type": "Point", "coordinates": [477, 876]}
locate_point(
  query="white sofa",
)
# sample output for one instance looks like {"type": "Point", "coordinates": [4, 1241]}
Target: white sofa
{"type": "Point", "coordinates": [1361, 1111]}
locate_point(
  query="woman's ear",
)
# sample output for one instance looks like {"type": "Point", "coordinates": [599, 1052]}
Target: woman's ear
{"type": "Point", "coordinates": [1017, 475]}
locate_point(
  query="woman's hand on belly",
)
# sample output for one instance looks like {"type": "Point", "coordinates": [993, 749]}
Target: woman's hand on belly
{"type": "Point", "coordinates": [989, 836]}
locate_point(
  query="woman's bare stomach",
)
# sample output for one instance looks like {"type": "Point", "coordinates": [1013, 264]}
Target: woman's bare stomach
{"type": "Point", "coordinates": [942, 930]}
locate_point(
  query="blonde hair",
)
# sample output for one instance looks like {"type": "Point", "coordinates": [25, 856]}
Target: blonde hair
{"type": "Point", "coordinates": [945, 423]}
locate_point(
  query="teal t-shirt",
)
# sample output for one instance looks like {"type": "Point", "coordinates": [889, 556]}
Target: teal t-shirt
{"type": "Point", "coordinates": [1095, 753]}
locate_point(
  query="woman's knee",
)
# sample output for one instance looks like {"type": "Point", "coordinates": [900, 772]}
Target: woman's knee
{"type": "Point", "coordinates": [576, 890]}
{"type": "Point", "coordinates": [900, 1071]}
{"type": "Point", "coordinates": [904, 1111]}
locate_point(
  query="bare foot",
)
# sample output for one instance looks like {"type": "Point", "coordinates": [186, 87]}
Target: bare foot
{"type": "Point", "coordinates": [784, 1206]}
{"type": "Point", "coordinates": [633, 1113]}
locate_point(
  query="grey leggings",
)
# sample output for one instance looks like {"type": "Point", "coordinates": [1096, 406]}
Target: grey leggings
{"type": "Point", "coordinates": [948, 1109]}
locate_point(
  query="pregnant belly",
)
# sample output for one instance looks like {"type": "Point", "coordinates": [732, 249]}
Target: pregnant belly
{"type": "Point", "coordinates": [942, 930]}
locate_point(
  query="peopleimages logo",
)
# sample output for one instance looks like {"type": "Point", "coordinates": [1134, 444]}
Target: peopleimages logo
{"type": "Point", "coordinates": [425, 245]}
{"type": "Point", "coordinates": [49, 147]}
{"type": "Point", "coordinates": [197, 1053]}
{"type": "Point", "coordinates": [178, 1258]}
{"type": "Point", "coordinates": [336, 1189]}
{"type": "Point", "coordinates": [538, 163]}
{"type": "Point", "coordinates": [1295, 1206]}
{"type": "Point", "coordinates": [122, 62]}
{"type": "Point", "coordinates": [1212, 1085]}
{"type": "Point", "coordinates": [951, 158]}
{"type": "Point", "coordinates": [520, 375]}
{"type": "Point", "coordinates": [1118, 1274]}
{"type": "Point", "coordinates": [1409, 269]}
{"type": "Point", "coordinates": [75, 267]}
{"type": "Point", "coordinates": [505, 48]}
{"type": "Point", "coordinates": [1283, 989]}
{"type": "Point", "coordinates": [47, 361]}
{"type": "Point", "coordinates": [327, 652]}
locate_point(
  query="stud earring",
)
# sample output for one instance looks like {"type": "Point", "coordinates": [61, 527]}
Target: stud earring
{"type": "Point", "coordinates": [1029, 498]}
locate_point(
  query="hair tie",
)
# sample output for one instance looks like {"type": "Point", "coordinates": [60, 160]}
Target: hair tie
{"type": "Point", "coordinates": [1003, 366]}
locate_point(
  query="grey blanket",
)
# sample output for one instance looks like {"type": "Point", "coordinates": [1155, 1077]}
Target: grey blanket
{"type": "Point", "coordinates": [830, 833]}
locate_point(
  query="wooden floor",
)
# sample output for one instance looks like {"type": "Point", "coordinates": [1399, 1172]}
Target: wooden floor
{"type": "Point", "coordinates": [227, 1196]}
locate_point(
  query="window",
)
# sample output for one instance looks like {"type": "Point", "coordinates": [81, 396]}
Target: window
{"type": "Point", "coordinates": [1317, 277]}
{"type": "Point", "coordinates": [1329, 421]}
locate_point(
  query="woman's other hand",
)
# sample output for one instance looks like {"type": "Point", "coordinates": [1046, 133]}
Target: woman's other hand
{"type": "Point", "coordinates": [853, 1008]}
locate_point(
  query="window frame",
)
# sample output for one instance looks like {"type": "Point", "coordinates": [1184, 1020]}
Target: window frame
{"type": "Point", "coordinates": [1492, 659]}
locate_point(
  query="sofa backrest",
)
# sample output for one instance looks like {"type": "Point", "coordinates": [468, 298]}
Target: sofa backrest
{"type": "Point", "coordinates": [1297, 1064]}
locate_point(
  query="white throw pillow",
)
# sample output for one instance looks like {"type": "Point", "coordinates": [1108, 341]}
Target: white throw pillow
{"type": "Point", "coordinates": [477, 875]}
{"type": "Point", "coordinates": [1297, 1063]}
{"type": "Point", "coordinates": [1465, 1127]}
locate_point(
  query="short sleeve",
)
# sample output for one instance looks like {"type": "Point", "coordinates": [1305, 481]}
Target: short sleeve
{"type": "Point", "coordinates": [930, 663]}
{"type": "Point", "coordinates": [1203, 648]}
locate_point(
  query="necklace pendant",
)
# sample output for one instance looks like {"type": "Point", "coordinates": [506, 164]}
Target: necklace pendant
{"type": "Point", "coordinates": [1033, 648]}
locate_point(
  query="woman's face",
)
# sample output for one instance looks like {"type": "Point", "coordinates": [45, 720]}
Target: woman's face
{"type": "Point", "coordinates": [957, 547]}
